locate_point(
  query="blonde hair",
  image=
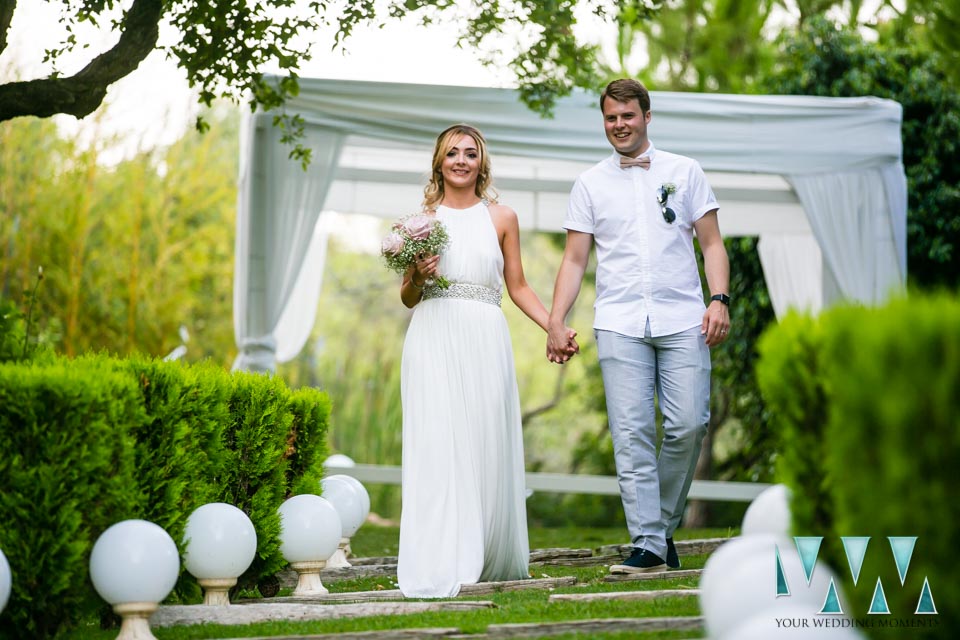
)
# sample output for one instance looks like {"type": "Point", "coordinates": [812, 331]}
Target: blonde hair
{"type": "Point", "coordinates": [447, 140]}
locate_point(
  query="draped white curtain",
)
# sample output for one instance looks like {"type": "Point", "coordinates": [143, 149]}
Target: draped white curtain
{"type": "Point", "coordinates": [841, 155]}
{"type": "Point", "coordinates": [847, 212]}
{"type": "Point", "coordinates": [793, 268]}
{"type": "Point", "coordinates": [279, 203]}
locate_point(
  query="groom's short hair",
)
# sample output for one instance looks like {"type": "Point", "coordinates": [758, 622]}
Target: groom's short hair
{"type": "Point", "coordinates": [625, 90]}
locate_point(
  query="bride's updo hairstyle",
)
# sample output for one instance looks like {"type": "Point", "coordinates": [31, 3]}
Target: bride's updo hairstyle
{"type": "Point", "coordinates": [447, 140]}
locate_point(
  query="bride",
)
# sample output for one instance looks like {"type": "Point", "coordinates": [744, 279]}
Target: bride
{"type": "Point", "coordinates": [463, 517]}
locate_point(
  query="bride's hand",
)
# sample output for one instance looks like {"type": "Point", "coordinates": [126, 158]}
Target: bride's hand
{"type": "Point", "coordinates": [425, 267]}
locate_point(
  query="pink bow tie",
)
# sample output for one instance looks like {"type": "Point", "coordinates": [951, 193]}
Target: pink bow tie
{"type": "Point", "coordinates": [643, 161]}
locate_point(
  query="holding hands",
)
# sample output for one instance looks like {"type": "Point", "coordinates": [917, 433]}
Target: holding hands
{"type": "Point", "coordinates": [561, 343]}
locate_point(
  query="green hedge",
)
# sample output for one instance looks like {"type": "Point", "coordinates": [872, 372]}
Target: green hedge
{"type": "Point", "coordinates": [97, 440]}
{"type": "Point", "coordinates": [868, 405]}
{"type": "Point", "coordinates": [66, 471]}
{"type": "Point", "coordinates": [306, 445]}
{"type": "Point", "coordinates": [792, 384]}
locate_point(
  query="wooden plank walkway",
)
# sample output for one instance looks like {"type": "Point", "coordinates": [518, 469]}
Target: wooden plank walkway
{"type": "Point", "coordinates": [606, 554]}
{"type": "Point", "coordinates": [543, 555]}
{"type": "Point", "coordinates": [586, 628]}
{"type": "Point", "coordinates": [179, 615]}
{"type": "Point", "coordinates": [656, 575]}
{"type": "Point", "coordinates": [332, 598]}
{"type": "Point", "coordinates": [684, 547]}
{"type": "Point", "coordinates": [469, 590]}
{"type": "Point", "coordinates": [288, 577]}
{"type": "Point", "coordinates": [653, 594]}
{"type": "Point", "coordinates": [390, 634]}
{"type": "Point", "coordinates": [515, 630]}
{"type": "Point", "coordinates": [486, 588]}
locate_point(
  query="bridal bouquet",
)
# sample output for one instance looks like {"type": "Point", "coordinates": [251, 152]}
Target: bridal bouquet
{"type": "Point", "coordinates": [410, 237]}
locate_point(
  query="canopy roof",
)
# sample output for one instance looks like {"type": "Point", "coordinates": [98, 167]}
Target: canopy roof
{"type": "Point", "coordinates": [820, 180]}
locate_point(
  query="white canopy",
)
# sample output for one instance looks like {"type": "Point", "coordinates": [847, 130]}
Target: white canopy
{"type": "Point", "coordinates": [819, 180]}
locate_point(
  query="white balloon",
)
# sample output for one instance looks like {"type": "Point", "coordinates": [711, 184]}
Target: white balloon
{"type": "Point", "coordinates": [361, 491]}
{"type": "Point", "coordinates": [221, 542]}
{"type": "Point", "coordinates": [769, 512]}
{"type": "Point", "coordinates": [739, 581]}
{"type": "Point", "coordinates": [6, 582]}
{"type": "Point", "coordinates": [793, 622]}
{"type": "Point", "coordinates": [309, 529]}
{"type": "Point", "coordinates": [134, 561]}
{"type": "Point", "coordinates": [345, 498]}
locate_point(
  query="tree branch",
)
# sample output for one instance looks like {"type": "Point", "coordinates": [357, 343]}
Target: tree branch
{"type": "Point", "coordinates": [557, 393]}
{"type": "Point", "coordinates": [7, 7]}
{"type": "Point", "coordinates": [81, 94]}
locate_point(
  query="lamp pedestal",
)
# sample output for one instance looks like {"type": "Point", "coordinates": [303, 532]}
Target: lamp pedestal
{"type": "Point", "coordinates": [339, 558]}
{"type": "Point", "coordinates": [136, 616]}
{"type": "Point", "coordinates": [216, 591]}
{"type": "Point", "coordinates": [308, 578]}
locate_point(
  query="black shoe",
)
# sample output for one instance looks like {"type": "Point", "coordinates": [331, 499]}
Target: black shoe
{"type": "Point", "coordinates": [640, 561]}
{"type": "Point", "coordinates": [673, 560]}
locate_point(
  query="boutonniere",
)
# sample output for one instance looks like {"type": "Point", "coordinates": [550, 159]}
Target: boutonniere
{"type": "Point", "coordinates": [663, 193]}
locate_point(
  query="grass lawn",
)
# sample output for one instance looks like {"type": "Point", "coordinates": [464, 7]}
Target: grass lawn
{"type": "Point", "coordinates": [512, 607]}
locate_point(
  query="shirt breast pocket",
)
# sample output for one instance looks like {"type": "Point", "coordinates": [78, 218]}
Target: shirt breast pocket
{"type": "Point", "coordinates": [674, 213]}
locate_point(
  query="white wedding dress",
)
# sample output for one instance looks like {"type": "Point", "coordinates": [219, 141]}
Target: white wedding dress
{"type": "Point", "coordinates": [463, 516]}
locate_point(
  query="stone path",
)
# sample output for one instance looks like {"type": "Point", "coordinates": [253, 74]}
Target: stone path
{"type": "Point", "coordinates": [587, 627]}
{"type": "Point", "coordinates": [605, 555]}
{"type": "Point", "coordinates": [515, 630]}
{"type": "Point", "coordinates": [393, 634]}
{"type": "Point", "coordinates": [173, 615]}
{"type": "Point", "coordinates": [391, 601]}
{"type": "Point", "coordinates": [653, 594]}
{"type": "Point", "coordinates": [656, 575]}
{"type": "Point", "coordinates": [482, 588]}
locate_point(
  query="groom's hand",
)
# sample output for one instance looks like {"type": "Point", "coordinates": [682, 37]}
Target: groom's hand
{"type": "Point", "coordinates": [561, 344]}
{"type": "Point", "coordinates": [573, 348]}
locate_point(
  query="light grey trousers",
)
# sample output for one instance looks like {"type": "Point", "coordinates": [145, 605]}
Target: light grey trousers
{"type": "Point", "coordinates": [675, 369]}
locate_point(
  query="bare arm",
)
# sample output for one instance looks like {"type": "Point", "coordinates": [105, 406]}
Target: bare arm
{"type": "Point", "coordinates": [411, 288]}
{"type": "Point", "coordinates": [522, 294]}
{"type": "Point", "coordinates": [716, 266]}
{"type": "Point", "coordinates": [565, 291]}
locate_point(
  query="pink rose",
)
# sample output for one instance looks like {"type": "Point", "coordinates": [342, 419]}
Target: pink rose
{"type": "Point", "coordinates": [392, 244]}
{"type": "Point", "coordinates": [419, 227]}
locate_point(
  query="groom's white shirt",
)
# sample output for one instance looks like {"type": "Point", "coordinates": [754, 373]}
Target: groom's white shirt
{"type": "Point", "coordinates": [646, 267]}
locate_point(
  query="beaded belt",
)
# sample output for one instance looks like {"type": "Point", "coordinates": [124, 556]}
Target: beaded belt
{"type": "Point", "coordinates": [465, 292]}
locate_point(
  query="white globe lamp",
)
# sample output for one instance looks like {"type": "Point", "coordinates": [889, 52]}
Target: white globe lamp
{"type": "Point", "coordinates": [133, 566]}
{"type": "Point", "coordinates": [309, 534]}
{"type": "Point", "coordinates": [220, 543]}
{"type": "Point", "coordinates": [769, 512]}
{"type": "Point", "coordinates": [739, 581]}
{"type": "Point", "coordinates": [6, 583]}
{"type": "Point", "coordinates": [348, 503]}
{"type": "Point", "coordinates": [339, 460]}
{"type": "Point", "coordinates": [361, 491]}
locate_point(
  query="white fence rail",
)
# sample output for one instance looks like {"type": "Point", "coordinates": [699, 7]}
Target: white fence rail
{"type": "Point", "coordinates": [573, 483]}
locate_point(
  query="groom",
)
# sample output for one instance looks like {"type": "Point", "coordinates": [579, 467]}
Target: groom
{"type": "Point", "coordinates": [641, 206]}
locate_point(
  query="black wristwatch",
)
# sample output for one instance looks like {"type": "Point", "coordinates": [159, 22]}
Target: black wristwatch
{"type": "Point", "coordinates": [722, 297]}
